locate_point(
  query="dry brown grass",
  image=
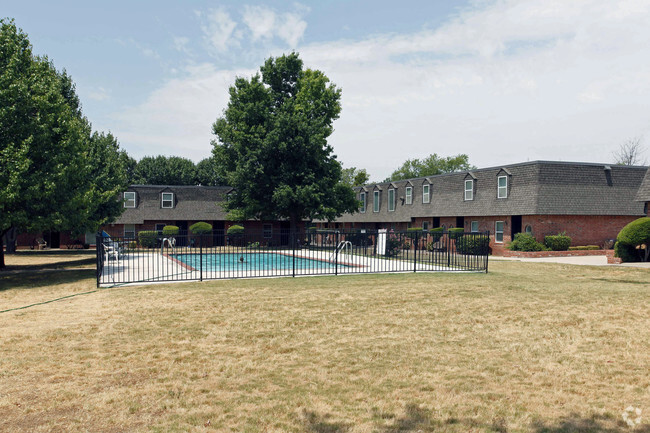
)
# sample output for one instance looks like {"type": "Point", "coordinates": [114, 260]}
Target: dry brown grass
{"type": "Point", "coordinates": [527, 347]}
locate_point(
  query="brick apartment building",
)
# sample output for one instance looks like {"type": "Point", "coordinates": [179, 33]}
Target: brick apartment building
{"type": "Point", "coordinates": [590, 202]}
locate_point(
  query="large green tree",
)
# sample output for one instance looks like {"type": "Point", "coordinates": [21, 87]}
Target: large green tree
{"type": "Point", "coordinates": [207, 173]}
{"type": "Point", "coordinates": [48, 170]}
{"type": "Point", "coordinates": [431, 165]}
{"type": "Point", "coordinates": [165, 170]}
{"type": "Point", "coordinates": [272, 145]}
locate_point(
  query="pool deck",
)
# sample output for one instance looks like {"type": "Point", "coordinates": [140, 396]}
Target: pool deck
{"type": "Point", "coordinates": [154, 267]}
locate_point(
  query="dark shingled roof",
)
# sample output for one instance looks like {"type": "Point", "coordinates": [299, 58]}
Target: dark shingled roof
{"type": "Point", "coordinates": [644, 190]}
{"type": "Point", "coordinates": [534, 188]}
{"type": "Point", "coordinates": [195, 203]}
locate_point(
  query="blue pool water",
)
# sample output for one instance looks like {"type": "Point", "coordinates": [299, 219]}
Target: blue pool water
{"type": "Point", "coordinates": [252, 261]}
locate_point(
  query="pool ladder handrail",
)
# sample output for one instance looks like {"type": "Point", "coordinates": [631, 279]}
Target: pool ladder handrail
{"type": "Point", "coordinates": [171, 243]}
{"type": "Point", "coordinates": [342, 246]}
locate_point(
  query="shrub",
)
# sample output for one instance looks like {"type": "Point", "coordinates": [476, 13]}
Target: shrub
{"type": "Point", "coordinates": [436, 234]}
{"type": "Point", "coordinates": [200, 228]}
{"type": "Point", "coordinates": [525, 242]}
{"type": "Point", "coordinates": [633, 241]}
{"type": "Point", "coordinates": [170, 230]}
{"type": "Point", "coordinates": [148, 238]}
{"type": "Point", "coordinates": [473, 245]}
{"type": "Point", "coordinates": [456, 232]}
{"type": "Point", "coordinates": [235, 230]}
{"type": "Point", "coordinates": [559, 242]}
{"type": "Point", "coordinates": [584, 248]}
{"type": "Point", "coordinates": [394, 244]}
{"type": "Point", "coordinates": [415, 231]}
{"type": "Point", "coordinates": [253, 245]}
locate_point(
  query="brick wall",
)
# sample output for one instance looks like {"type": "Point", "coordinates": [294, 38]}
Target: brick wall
{"type": "Point", "coordinates": [583, 229]}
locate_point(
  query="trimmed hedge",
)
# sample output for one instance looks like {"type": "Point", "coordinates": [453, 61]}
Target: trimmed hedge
{"type": "Point", "coordinates": [148, 238]}
{"type": "Point", "coordinates": [170, 230]}
{"type": "Point", "coordinates": [585, 248]}
{"type": "Point", "coordinates": [525, 242]}
{"type": "Point", "coordinates": [633, 241]}
{"type": "Point", "coordinates": [456, 232]}
{"type": "Point", "coordinates": [200, 228]}
{"type": "Point", "coordinates": [473, 245]}
{"type": "Point", "coordinates": [559, 242]}
{"type": "Point", "coordinates": [235, 230]}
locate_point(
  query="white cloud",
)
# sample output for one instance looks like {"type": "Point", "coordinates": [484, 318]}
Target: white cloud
{"type": "Point", "coordinates": [291, 29]}
{"type": "Point", "coordinates": [99, 94]}
{"type": "Point", "coordinates": [264, 23]}
{"type": "Point", "coordinates": [181, 44]}
{"type": "Point", "coordinates": [260, 21]}
{"type": "Point", "coordinates": [219, 30]}
{"type": "Point", "coordinates": [503, 81]}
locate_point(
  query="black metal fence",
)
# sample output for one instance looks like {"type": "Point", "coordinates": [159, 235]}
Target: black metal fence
{"type": "Point", "coordinates": [150, 257]}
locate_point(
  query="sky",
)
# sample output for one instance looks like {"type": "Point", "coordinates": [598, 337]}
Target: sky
{"type": "Point", "coordinates": [502, 81]}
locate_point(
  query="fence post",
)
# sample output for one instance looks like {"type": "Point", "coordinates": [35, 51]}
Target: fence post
{"type": "Point", "coordinates": [336, 254]}
{"type": "Point", "coordinates": [293, 252]}
{"type": "Point", "coordinates": [99, 249]}
{"type": "Point", "coordinates": [447, 246]}
{"type": "Point", "coordinates": [415, 253]}
{"type": "Point", "coordinates": [201, 255]}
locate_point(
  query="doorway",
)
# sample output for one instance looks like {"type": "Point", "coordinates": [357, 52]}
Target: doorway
{"type": "Point", "coordinates": [515, 223]}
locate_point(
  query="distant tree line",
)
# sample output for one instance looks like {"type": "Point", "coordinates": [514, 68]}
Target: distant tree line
{"type": "Point", "coordinates": [172, 170]}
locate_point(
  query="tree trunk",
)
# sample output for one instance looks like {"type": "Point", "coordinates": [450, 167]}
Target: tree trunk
{"type": "Point", "coordinates": [2, 252]}
{"type": "Point", "coordinates": [10, 238]}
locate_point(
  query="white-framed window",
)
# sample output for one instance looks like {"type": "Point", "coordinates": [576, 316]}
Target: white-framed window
{"type": "Point", "coordinates": [529, 229]}
{"type": "Point", "coordinates": [129, 231]}
{"type": "Point", "coordinates": [129, 199]}
{"type": "Point", "coordinates": [268, 231]}
{"type": "Point", "coordinates": [498, 231]}
{"type": "Point", "coordinates": [469, 189]}
{"type": "Point", "coordinates": [502, 185]}
{"type": "Point", "coordinates": [426, 197]}
{"type": "Point", "coordinates": [391, 200]}
{"type": "Point", "coordinates": [409, 195]}
{"type": "Point", "coordinates": [167, 200]}
{"type": "Point", "coordinates": [362, 198]}
{"type": "Point", "coordinates": [375, 202]}
{"type": "Point", "coordinates": [425, 225]}
{"type": "Point", "coordinates": [474, 226]}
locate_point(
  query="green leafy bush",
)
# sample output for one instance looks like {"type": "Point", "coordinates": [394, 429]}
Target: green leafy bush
{"type": "Point", "coordinates": [456, 232]}
{"type": "Point", "coordinates": [436, 234]}
{"type": "Point", "coordinates": [394, 243]}
{"type": "Point", "coordinates": [200, 228]}
{"type": "Point", "coordinates": [559, 242]}
{"type": "Point", "coordinates": [633, 241]}
{"type": "Point", "coordinates": [473, 245]}
{"type": "Point", "coordinates": [584, 248]}
{"type": "Point", "coordinates": [525, 242]}
{"type": "Point", "coordinates": [148, 238]}
{"type": "Point", "coordinates": [235, 230]}
{"type": "Point", "coordinates": [170, 230]}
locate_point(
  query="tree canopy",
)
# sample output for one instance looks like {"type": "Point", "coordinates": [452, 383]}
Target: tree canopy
{"type": "Point", "coordinates": [55, 174]}
{"type": "Point", "coordinates": [430, 166]}
{"type": "Point", "coordinates": [355, 177]}
{"type": "Point", "coordinates": [272, 145]}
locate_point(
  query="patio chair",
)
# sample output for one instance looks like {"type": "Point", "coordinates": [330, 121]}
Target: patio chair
{"type": "Point", "coordinates": [112, 248]}
{"type": "Point", "coordinates": [40, 243]}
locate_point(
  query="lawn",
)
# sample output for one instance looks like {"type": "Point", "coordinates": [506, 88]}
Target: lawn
{"type": "Point", "coordinates": [526, 348]}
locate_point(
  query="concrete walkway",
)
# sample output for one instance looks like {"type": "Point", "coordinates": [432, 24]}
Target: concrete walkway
{"type": "Point", "coordinates": [574, 260]}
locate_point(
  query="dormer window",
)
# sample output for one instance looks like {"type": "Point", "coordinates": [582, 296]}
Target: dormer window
{"type": "Point", "coordinates": [391, 200]}
{"type": "Point", "coordinates": [375, 201]}
{"type": "Point", "coordinates": [426, 198]}
{"type": "Point", "coordinates": [469, 189]}
{"type": "Point", "coordinates": [362, 198]}
{"type": "Point", "coordinates": [129, 199]}
{"type": "Point", "coordinates": [409, 195]}
{"type": "Point", "coordinates": [167, 200]}
{"type": "Point", "coordinates": [502, 187]}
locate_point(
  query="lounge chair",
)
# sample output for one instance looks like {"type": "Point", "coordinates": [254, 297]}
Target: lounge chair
{"type": "Point", "coordinates": [111, 248]}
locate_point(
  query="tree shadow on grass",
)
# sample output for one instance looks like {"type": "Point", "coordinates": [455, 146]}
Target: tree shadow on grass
{"type": "Point", "coordinates": [414, 419]}
{"type": "Point", "coordinates": [575, 423]}
{"type": "Point", "coordinates": [313, 422]}
{"type": "Point", "coordinates": [30, 279]}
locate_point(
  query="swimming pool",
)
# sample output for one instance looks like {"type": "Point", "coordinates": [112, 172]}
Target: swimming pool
{"type": "Point", "coordinates": [251, 261]}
